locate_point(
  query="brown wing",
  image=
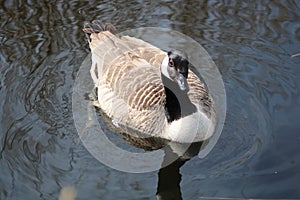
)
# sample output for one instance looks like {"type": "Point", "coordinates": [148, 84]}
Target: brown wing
{"type": "Point", "coordinates": [129, 81]}
{"type": "Point", "coordinates": [135, 80]}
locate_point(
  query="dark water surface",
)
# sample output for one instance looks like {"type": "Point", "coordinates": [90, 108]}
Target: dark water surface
{"type": "Point", "coordinates": [252, 43]}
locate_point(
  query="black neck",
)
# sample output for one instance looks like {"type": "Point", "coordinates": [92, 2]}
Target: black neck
{"type": "Point", "coordinates": [178, 104]}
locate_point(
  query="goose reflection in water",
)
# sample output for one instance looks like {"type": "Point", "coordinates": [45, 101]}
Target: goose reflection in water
{"type": "Point", "coordinates": [169, 177]}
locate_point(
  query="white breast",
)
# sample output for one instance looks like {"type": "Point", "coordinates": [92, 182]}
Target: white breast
{"type": "Point", "coordinates": [192, 128]}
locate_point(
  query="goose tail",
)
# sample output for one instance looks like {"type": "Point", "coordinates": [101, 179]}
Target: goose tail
{"type": "Point", "coordinates": [97, 26]}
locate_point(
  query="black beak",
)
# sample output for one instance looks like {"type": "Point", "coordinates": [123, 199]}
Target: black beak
{"type": "Point", "coordinates": [182, 82]}
{"type": "Point", "coordinates": [184, 73]}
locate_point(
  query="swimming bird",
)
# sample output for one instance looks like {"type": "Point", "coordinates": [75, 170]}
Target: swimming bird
{"type": "Point", "coordinates": [147, 91]}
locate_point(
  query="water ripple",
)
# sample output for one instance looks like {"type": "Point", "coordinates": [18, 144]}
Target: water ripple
{"type": "Point", "coordinates": [42, 46]}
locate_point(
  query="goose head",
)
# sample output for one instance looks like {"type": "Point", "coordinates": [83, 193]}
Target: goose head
{"type": "Point", "coordinates": [175, 68]}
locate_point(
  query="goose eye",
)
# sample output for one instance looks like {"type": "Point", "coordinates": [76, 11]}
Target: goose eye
{"type": "Point", "coordinates": [171, 63]}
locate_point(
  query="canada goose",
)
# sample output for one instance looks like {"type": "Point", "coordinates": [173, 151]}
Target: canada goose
{"type": "Point", "coordinates": [146, 90]}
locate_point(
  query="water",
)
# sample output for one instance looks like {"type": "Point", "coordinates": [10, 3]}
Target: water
{"type": "Point", "coordinates": [252, 43]}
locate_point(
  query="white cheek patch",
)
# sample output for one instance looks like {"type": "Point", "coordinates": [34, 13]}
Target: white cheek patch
{"type": "Point", "coordinates": [164, 67]}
